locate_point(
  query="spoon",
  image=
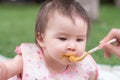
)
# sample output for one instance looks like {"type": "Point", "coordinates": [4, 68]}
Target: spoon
{"type": "Point", "coordinates": [73, 58]}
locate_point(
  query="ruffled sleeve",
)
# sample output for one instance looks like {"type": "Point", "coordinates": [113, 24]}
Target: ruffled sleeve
{"type": "Point", "coordinates": [18, 50]}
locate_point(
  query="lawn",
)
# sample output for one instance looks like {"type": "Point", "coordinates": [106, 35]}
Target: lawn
{"type": "Point", "coordinates": [17, 26]}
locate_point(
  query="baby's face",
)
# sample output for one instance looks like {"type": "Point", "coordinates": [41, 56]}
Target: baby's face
{"type": "Point", "coordinates": [62, 36]}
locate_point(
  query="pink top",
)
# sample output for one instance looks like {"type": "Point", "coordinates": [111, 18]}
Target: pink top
{"type": "Point", "coordinates": [34, 67]}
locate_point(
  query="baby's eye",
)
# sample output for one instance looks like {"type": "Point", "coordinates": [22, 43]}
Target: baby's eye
{"type": "Point", "coordinates": [78, 40]}
{"type": "Point", "coordinates": [62, 38]}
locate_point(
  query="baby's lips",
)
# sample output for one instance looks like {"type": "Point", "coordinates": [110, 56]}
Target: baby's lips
{"type": "Point", "coordinates": [68, 54]}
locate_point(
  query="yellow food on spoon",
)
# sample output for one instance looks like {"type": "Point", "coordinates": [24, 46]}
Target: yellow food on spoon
{"type": "Point", "coordinates": [73, 58]}
{"type": "Point", "coordinates": [76, 58]}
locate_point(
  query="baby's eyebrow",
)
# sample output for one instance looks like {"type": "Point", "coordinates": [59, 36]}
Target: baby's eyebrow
{"type": "Point", "coordinates": [62, 33]}
{"type": "Point", "coordinates": [82, 35]}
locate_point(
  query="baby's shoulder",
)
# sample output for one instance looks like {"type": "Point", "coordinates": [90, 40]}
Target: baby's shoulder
{"type": "Point", "coordinates": [26, 48]}
{"type": "Point", "coordinates": [28, 45]}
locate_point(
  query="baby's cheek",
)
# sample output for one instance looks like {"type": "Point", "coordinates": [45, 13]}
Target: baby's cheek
{"type": "Point", "coordinates": [81, 52]}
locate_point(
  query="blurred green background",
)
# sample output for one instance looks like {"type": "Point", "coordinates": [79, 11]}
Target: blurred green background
{"type": "Point", "coordinates": [17, 22]}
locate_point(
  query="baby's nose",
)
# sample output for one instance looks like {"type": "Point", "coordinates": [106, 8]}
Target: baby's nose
{"type": "Point", "coordinates": [71, 47]}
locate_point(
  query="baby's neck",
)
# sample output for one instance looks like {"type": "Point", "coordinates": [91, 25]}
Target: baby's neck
{"type": "Point", "coordinates": [55, 67]}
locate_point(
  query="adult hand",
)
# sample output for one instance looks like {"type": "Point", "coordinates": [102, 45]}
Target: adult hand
{"type": "Point", "coordinates": [109, 48]}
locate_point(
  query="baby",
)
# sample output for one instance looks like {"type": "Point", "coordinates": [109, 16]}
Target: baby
{"type": "Point", "coordinates": [62, 26]}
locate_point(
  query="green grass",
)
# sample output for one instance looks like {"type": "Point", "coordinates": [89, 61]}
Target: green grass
{"type": "Point", "coordinates": [17, 26]}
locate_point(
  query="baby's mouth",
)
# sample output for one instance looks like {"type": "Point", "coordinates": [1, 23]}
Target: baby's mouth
{"type": "Point", "coordinates": [71, 56]}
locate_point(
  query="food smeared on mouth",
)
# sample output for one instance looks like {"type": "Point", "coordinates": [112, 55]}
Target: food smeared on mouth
{"type": "Point", "coordinates": [74, 58]}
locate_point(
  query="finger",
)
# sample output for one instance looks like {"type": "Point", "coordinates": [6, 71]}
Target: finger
{"type": "Point", "coordinates": [107, 54]}
{"type": "Point", "coordinates": [116, 51]}
{"type": "Point", "coordinates": [113, 49]}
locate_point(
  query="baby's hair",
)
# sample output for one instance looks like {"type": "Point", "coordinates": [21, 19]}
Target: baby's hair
{"type": "Point", "coordinates": [69, 8]}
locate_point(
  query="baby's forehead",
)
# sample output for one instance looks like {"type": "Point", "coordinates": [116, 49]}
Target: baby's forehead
{"type": "Point", "coordinates": [60, 20]}
{"type": "Point", "coordinates": [72, 16]}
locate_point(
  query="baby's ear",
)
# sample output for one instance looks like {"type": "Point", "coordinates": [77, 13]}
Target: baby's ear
{"type": "Point", "coordinates": [40, 39]}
